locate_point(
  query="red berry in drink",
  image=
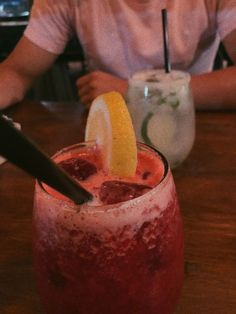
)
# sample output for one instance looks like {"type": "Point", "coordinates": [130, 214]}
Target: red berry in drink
{"type": "Point", "coordinates": [78, 168]}
{"type": "Point", "coordinates": [112, 192]}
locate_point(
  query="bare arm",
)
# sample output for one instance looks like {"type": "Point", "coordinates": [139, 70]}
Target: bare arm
{"type": "Point", "coordinates": [20, 69]}
{"type": "Point", "coordinates": [217, 90]}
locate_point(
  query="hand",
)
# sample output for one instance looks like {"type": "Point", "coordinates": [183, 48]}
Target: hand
{"type": "Point", "coordinates": [96, 83]}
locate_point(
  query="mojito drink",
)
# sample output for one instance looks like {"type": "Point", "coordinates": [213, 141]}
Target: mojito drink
{"type": "Point", "coordinates": [163, 113]}
{"type": "Point", "coordinates": [120, 253]}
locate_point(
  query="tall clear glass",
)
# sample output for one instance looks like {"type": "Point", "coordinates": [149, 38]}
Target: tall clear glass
{"type": "Point", "coordinates": [162, 110]}
{"type": "Point", "coordinates": [120, 258]}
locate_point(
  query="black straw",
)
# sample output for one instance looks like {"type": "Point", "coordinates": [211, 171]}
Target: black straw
{"type": "Point", "coordinates": [22, 152]}
{"type": "Point", "coordinates": [165, 40]}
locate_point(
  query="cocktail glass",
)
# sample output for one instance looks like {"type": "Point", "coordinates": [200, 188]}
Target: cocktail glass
{"type": "Point", "coordinates": [162, 110]}
{"type": "Point", "coordinates": [125, 257]}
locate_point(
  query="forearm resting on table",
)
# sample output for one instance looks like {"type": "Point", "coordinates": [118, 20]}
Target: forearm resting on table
{"type": "Point", "coordinates": [215, 90]}
{"type": "Point", "coordinates": [13, 86]}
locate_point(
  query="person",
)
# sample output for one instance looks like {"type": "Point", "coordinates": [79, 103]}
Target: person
{"type": "Point", "coordinates": [120, 37]}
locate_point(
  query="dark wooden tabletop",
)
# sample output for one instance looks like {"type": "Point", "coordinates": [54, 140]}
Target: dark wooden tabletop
{"type": "Point", "coordinates": [206, 185]}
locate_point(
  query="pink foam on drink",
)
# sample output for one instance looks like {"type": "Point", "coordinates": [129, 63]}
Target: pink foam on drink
{"type": "Point", "coordinates": [86, 167]}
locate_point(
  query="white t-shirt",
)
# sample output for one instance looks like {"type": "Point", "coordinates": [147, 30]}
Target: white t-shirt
{"type": "Point", "coordinates": [125, 36]}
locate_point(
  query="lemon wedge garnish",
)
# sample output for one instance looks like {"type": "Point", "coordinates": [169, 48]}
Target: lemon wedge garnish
{"type": "Point", "coordinates": [110, 125]}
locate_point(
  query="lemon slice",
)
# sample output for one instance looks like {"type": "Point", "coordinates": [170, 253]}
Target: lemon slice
{"type": "Point", "coordinates": [110, 125]}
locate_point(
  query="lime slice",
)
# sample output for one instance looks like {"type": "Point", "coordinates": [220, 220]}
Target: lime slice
{"type": "Point", "coordinates": [158, 130]}
{"type": "Point", "coordinates": [110, 125]}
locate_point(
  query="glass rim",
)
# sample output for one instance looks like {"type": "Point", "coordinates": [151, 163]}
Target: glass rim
{"type": "Point", "coordinates": [179, 78]}
{"type": "Point", "coordinates": [86, 207]}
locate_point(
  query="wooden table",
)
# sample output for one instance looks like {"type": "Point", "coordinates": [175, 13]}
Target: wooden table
{"type": "Point", "coordinates": [206, 184]}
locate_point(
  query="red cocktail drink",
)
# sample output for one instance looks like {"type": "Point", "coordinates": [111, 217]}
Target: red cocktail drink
{"type": "Point", "coordinates": [123, 253]}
